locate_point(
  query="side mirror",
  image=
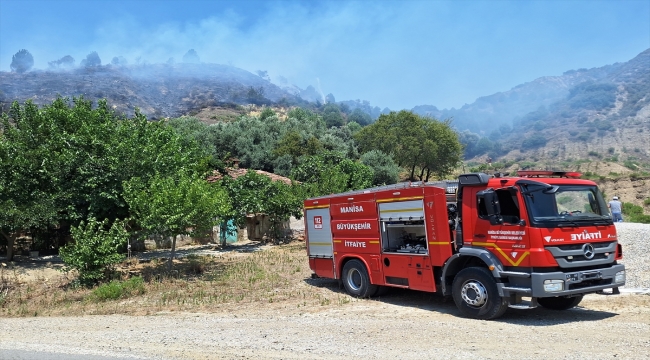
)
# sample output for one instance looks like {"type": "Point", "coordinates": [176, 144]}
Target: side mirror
{"type": "Point", "coordinates": [489, 200]}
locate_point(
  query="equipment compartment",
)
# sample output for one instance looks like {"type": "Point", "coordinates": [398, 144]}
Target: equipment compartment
{"type": "Point", "coordinates": [408, 237]}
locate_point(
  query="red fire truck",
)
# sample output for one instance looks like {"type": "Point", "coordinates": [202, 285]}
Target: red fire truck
{"type": "Point", "coordinates": [490, 241]}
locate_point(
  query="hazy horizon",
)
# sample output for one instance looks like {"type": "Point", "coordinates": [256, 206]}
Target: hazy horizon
{"type": "Point", "coordinates": [393, 54]}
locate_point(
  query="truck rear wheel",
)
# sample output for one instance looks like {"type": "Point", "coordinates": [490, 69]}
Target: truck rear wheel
{"type": "Point", "coordinates": [476, 295]}
{"type": "Point", "coordinates": [356, 280]}
{"type": "Point", "coordinates": [559, 303]}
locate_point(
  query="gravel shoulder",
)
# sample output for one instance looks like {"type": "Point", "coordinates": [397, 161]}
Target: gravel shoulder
{"type": "Point", "coordinates": [397, 326]}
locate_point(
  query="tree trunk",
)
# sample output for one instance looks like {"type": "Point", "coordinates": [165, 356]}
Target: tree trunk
{"type": "Point", "coordinates": [428, 174]}
{"type": "Point", "coordinates": [421, 174]}
{"type": "Point", "coordinates": [11, 240]}
{"type": "Point", "coordinates": [412, 173]}
{"type": "Point", "coordinates": [171, 256]}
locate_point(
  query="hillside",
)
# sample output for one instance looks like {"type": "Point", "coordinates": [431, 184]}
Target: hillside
{"type": "Point", "coordinates": [158, 90]}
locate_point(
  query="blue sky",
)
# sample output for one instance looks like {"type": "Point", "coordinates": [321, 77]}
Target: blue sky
{"type": "Point", "coordinates": [395, 54]}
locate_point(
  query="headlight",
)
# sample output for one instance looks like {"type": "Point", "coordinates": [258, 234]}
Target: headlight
{"type": "Point", "coordinates": [553, 285]}
{"type": "Point", "coordinates": [620, 277]}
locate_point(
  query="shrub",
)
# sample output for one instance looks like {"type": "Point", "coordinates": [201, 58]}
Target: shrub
{"type": "Point", "coordinates": [95, 250]}
{"type": "Point", "coordinates": [634, 213]}
{"type": "Point", "coordinates": [119, 289]}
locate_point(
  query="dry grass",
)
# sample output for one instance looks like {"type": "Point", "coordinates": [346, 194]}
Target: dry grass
{"type": "Point", "coordinates": [278, 277]}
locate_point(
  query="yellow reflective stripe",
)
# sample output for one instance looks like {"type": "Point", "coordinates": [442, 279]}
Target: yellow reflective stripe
{"type": "Point", "coordinates": [400, 199]}
{"type": "Point", "coordinates": [439, 243]}
{"type": "Point", "coordinates": [316, 207]}
{"type": "Point", "coordinates": [319, 243]}
{"type": "Point", "coordinates": [374, 242]}
{"type": "Point", "coordinates": [337, 241]}
{"type": "Point", "coordinates": [502, 252]}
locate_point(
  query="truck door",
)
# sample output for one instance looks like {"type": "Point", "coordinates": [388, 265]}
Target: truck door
{"type": "Point", "coordinates": [319, 241]}
{"type": "Point", "coordinates": [509, 240]}
{"type": "Point", "coordinates": [405, 249]}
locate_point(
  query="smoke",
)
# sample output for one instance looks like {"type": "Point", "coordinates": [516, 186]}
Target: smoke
{"type": "Point", "coordinates": [320, 91]}
{"type": "Point", "coordinates": [394, 54]}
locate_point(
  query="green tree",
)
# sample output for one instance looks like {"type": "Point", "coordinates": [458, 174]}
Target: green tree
{"type": "Point", "coordinates": [414, 142]}
{"type": "Point", "coordinates": [62, 164]}
{"type": "Point", "coordinates": [360, 117]}
{"type": "Point", "coordinates": [385, 170]}
{"type": "Point", "coordinates": [330, 172]}
{"type": "Point", "coordinates": [95, 249]}
{"type": "Point", "coordinates": [22, 61]}
{"type": "Point", "coordinates": [255, 193]}
{"type": "Point", "coordinates": [176, 204]}
{"type": "Point", "coordinates": [332, 115]}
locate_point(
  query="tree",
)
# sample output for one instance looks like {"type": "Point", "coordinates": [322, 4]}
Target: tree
{"type": "Point", "coordinates": [330, 172]}
{"type": "Point", "coordinates": [119, 61]}
{"type": "Point", "coordinates": [360, 117]}
{"type": "Point", "coordinates": [62, 164]}
{"type": "Point", "coordinates": [91, 60]}
{"type": "Point", "coordinates": [332, 115]}
{"type": "Point", "coordinates": [177, 204]}
{"type": "Point", "coordinates": [329, 99]}
{"type": "Point", "coordinates": [191, 57]}
{"type": "Point", "coordinates": [414, 142]}
{"type": "Point", "coordinates": [385, 170]}
{"type": "Point", "coordinates": [64, 62]}
{"type": "Point", "coordinates": [22, 61]}
{"type": "Point", "coordinates": [263, 74]}
{"type": "Point", "coordinates": [95, 250]}
{"type": "Point", "coordinates": [255, 193]}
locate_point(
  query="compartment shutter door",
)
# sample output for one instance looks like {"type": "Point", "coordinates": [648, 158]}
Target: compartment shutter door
{"type": "Point", "coordinates": [320, 233]}
{"type": "Point", "coordinates": [402, 210]}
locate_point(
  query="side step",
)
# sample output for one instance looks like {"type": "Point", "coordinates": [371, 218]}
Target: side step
{"type": "Point", "coordinates": [524, 304]}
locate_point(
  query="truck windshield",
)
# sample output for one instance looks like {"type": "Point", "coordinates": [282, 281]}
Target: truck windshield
{"type": "Point", "coordinates": [565, 205]}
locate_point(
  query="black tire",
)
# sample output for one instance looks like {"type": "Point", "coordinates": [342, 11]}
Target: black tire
{"type": "Point", "coordinates": [476, 295]}
{"type": "Point", "coordinates": [559, 303]}
{"type": "Point", "coordinates": [356, 280]}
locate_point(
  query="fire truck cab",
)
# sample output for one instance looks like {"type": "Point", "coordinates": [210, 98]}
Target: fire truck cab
{"type": "Point", "coordinates": [489, 241]}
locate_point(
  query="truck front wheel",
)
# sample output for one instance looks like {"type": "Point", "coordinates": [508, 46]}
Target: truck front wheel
{"type": "Point", "coordinates": [559, 303]}
{"type": "Point", "coordinates": [356, 280]}
{"type": "Point", "coordinates": [476, 295]}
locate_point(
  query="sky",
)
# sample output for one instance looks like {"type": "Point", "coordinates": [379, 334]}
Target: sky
{"type": "Point", "coordinates": [395, 54]}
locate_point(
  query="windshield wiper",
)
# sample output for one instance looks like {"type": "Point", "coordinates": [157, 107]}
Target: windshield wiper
{"type": "Point", "coordinates": [603, 222]}
{"type": "Point", "coordinates": [568, 222]}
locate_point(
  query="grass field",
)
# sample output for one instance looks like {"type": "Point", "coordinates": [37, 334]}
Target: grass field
{"type": "Point", "coordinates": [276, 277]}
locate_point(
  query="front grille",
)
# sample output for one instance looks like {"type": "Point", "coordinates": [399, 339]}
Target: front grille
{"type": "Point", "coordinates": [573, 255]}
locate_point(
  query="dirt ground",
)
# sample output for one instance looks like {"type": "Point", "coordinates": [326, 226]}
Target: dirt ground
{"type": "Point", "coordinates": [402, 324]}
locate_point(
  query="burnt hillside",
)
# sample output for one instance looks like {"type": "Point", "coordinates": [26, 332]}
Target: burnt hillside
{"type": "Point", "coordinates": [158, 90]}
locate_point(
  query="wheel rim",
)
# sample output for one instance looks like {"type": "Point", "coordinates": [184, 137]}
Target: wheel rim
{"type": "Point", "coordinates": [354, 279]}
{"type": "Point", "coordinates": [474, 293]}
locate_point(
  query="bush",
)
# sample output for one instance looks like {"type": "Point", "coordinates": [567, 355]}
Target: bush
{"type": "Point", "coordinates": [95, 250]}
{"type": "Point", "coordinates": [634, 213]}
{"type": "Point", "coordinates": [119, 289]}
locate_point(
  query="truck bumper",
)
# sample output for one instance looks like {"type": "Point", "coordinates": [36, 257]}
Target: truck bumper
{"type": "Point", "coordinates": [570, 283]}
